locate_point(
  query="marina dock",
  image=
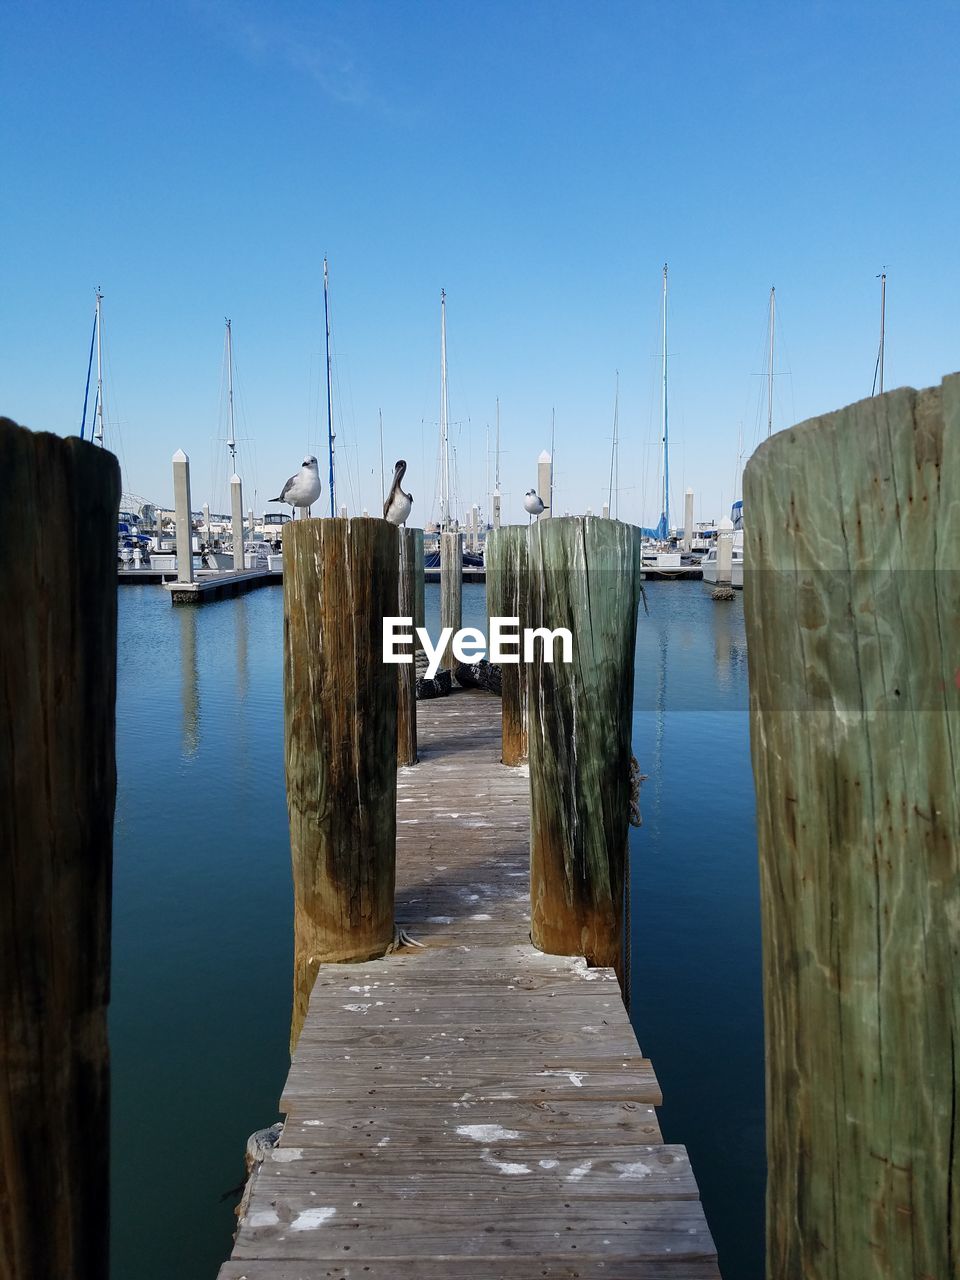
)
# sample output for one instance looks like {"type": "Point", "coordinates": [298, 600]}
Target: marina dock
{"type": "Point", "coordinates": [472, 1107]}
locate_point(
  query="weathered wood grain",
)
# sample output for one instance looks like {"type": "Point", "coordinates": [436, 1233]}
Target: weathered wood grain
{"type": "Point", "coordinates": [574, 1125]}
{"type": "Point", "coordinates": [852, 604]}
{"type": "Point", "coordinates": [451, 590]}
{"type": "Point", "coordinates": [584, 574]}
{"type": "Point", "coordinates": [340, 717]}
{"type": "Point", "coordinates": [410, 605]}
{"type": "Point", "coordinates": [477, 1268]}
{"type": "Point", "coordinates": [506, 561]}
{"type": "Point", "coordinates": [58, 656]}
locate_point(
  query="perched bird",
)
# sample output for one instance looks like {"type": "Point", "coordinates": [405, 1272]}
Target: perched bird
{"type": "Point", "coordinates": [396, 509]}
{"type": "Point", "coordinates": [303, 489]}
{"type": "Point", "coordinates": [532, 503]}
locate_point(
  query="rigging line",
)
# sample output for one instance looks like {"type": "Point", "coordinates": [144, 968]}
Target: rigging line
{"type": "Point", "coordinates": [86, 390]}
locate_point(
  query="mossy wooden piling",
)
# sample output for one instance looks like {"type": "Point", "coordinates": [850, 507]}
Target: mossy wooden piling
{"type": "Point", "coordinates": [506, 559]}
{"type": "Point", "coordinates": [411, 605]}
{"type": "Point", "coordinates": [584, 575]}
{"type": "Point", "coordinates": [451, 590]}
{"type": "Point", "coordinates": [340, 715]}
{"type": "Point", "coordinates": [58, 647]}
{"type": "Point", "coordinates": [852, 603]}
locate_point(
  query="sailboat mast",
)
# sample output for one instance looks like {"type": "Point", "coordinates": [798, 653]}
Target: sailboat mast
{"type": "Point", "coordinates": [231, 438]}
{"type": "Point", "coordinates": [663, 413]}
{"type": "Point", "coordinates": [331, 436]}
{"type": "Point", "coordinates": [613, 451]}
{"type": "Point", "coordinates": [883, 317]}
{"type": "Point", "coordinates": [383, 496]}
{"type": "Point", "coordinates": [496, 476]}
{"type": "Point", "coordinates": [98, 432]}
{"type": "Point", "coordinates": [553, 452]}
{"type": "Point", "coordinates": [444, 423]}
{"type": "Point", "coordinates": [773, 321]}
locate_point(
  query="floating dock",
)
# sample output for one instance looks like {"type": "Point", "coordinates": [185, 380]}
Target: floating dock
{"type": "Point", "coordinates": [219, 585]}
{"type": "Point", "coordinates": [472, 1109]}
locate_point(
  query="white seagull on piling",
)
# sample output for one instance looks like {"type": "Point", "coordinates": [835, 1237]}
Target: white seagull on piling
{"type": "Point", "coordinates": [532, 503]}
{"type": "Point", "coordinates": [397, 507]}
{"type": "Point", "coordinates": [303, 489]}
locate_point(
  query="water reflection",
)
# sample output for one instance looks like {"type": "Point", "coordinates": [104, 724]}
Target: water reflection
{"type": "Point", "coordinates": [241, 626]}
{"type": "Point", "coordinates": [187, 617]}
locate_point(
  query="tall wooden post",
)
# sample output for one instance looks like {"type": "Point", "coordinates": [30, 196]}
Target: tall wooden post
{"type": "Point", "coordinates": [585, 576]}
{"type": "Point", "coordinates": [58, 647]}
{"type": "Point", "coordinates": [411, 605]}
{"type": "Point", "coordinates": [451, 590]}
{"type": "Point", "coordinates": [340, 579]}
{"type": "Point", "coordinates": [852, 605]}
{"type": "Point", "coordinates": [505, 560]}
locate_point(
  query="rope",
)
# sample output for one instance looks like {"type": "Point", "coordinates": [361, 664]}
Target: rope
{"type": "Point", "coordinates": [636, 778]}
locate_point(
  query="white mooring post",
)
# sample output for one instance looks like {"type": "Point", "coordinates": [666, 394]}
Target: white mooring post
{"type": "Point", "coordinates": [206, 523]}
{"type": "Point", "coordinates": [496, 508]}
{"type": "Point", "coordinates": [181, 507]}
{"type": "Point", "coordinates": [725, 552]}
{"type": "Point", "coordinates": [688, 520]}
{"type": "Point", "coordinates": [236, 505]}
{"type": "Point", "coordinates": [545, 482]}
{"type": "Point", "coordinates": [343, 512]}
{"type": "Point", "coordinates": [606, 511]}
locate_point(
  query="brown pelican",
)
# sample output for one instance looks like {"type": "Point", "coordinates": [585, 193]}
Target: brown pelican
{"type": "Point", "coordinates": [303, 489]}
{"type": "Point", "coordinates": [396, 509]}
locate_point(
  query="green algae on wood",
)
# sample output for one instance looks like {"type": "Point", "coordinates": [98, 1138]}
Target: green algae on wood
{"type": "Point", "coordinates": [852, 605]}
{"type": "Point", "coordinates": [340, 579]}
{"type": "Point", "coordinates": [585, 575]}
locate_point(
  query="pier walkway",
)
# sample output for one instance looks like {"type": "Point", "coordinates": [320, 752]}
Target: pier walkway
{"type": "Point", "coordinates": [475, 1109]}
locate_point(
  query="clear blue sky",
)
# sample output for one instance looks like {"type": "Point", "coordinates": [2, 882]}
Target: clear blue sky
{"type": "Point", "coordinates": [540, 161]}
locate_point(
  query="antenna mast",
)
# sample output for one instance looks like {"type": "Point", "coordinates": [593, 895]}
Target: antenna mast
{"type": "Point", "coordinates": [773, 321]}
{"type": "Point", "coordinates": [331, 435]}
{"type": "Point", "coordinates": [98, 431]}
{"type": "Point", "coordinates": [231, 438]}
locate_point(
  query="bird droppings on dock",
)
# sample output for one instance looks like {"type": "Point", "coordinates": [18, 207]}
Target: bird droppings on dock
{"type": "Point", "coordinates": [487, 1132]}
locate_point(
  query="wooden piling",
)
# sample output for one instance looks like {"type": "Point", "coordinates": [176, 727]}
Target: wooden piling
{"type": "Point", "coordinates": [585, 575]}
{"type": "Point", "coordinates": [506, 562]}
{"type": "Point", "coordinates": [58, 645]}
{"type": "Point", "coordinates": [451, 590]}
{"type": "Point", "coordinates": [411, 605]}
{"type": "Point", "coordinates": [852, 605]}
{"type": "Point", "coordinates": [340, 714]}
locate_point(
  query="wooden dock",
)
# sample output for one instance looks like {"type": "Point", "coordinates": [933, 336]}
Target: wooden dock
{"type": "Point", "coordinates": [219, 585]}
{"type": "Point", "coordinates": [473, 1109]}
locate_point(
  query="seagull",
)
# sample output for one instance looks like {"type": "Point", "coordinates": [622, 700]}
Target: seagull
{"type": "Point", "coordinates": [303, 489]}
{"type": "Point", "coordinates": [396, 509]}
{"type": "Point", "coordinates": [532, 503]}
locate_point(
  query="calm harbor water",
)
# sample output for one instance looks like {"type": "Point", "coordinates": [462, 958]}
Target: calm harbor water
{"type": "Point", "coordinates": [203, 920]}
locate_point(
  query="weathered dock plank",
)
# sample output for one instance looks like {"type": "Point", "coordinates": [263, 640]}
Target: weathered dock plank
{"type": "Point", "coordinates": [475, 1108]}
